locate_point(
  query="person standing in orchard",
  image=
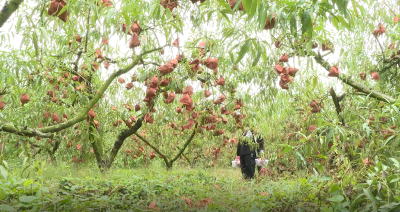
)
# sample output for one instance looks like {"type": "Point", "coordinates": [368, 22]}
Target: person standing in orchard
{"type": "Point", "coordinates": [248, 150]}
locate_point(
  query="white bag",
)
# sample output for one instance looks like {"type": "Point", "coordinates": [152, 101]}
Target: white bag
{"type": "Point", "coordinates": [261, 162]}
{"type": "Point", "coordinates": [235, 164]}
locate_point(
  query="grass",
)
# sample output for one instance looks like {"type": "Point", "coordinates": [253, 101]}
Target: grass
{"type": "Point", "coordinates": [83, 188]}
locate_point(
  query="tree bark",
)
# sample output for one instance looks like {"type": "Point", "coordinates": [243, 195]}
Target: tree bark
{"type": "Point", "coordinates": [8, 9]}
{"type": "Point", "coordinates": [360, 87]}
{"type": "Point", "coordinates": [120, 140]}
{"type": "Point", "coordinates": [104, 162]}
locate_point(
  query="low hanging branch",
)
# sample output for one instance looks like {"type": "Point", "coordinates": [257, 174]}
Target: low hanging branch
{"type": "Point", "coordinates": [20, 130]}
{"type": "Point", "coordinates": [25, 131]}
{"type": "Point", "coordinates": [362, 88]}
{"type": "Point", "coordinates": [8, 9]}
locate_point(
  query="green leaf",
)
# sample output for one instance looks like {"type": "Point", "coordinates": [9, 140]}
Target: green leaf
{"type": "Point", "coordinates": [396, 162]}
{"type": "Point", "coordinates": [6, 164]}
{"type": "Point", "coordinates": [55, 25]}
{"type": "Point", "coordinates": [371, 197]}
{"type": "Point", "coordinates": [62, 10]}
{"type": "Point", "coordinates": [389, 139]}
{"type": "Point", "coordinates": [301, 157]}
{"type": "Point", "coordinates": [27, 199]}
{"type": "Point", "coordinates": [272, 10]}
{"type": "Point", "coordinates": [335, 23]}
{"type": "Point", "coordinates": [287, 149]}
{"type": "Point", "coordinates": [343, 22]}
{"type": "Point", "coordinates": [2, 194]}
{"type": "Point", "coordinates": [306, 22]}
{"type": "Point", "coordinates": [243, 50]}
{"type": "Point", "coordinates": [342, 5]}
{"type": "Point", "coordinates": [127, 20]}
{"type": "Point", "coordinates": [366, 128]}
{"type": "Point", "coordinates": [3, 172]}
{"type": "Point", "coordinates": [334, 190]}
{"type": "Point", "coordinates": [355, 8]}
{"type": "Point", "coordinates": [18, 26]}
{"type": "Point", "coordinates": [315, 81]}
{"type": "Point", "coordinates": [324, 178]}
{"type": "Point", "coordinates": [4, 207]}
{"type": "Point", "coordinates": [395, 180]}
{"type": "Point", "coordinates": [110, 14]}
{"type": "Point", "coordinates": [355, 203]}
{"type": "Point", "coordinates": [254, 5]}
{"type": "Point", "coordinates": [225, 16]}
{"type": "Point", "coordinates": [389, 206]}
{"type": "Point", "coordinates": [28, 182]}
{"type": "Point", "coordinates": [262, 15]}
{"type": "Point", "coordinates": [337, 198]}
{"type": "Point", "coordinates": [247, 5]}
{"type": "Point", "coordinates": [44, 33]}
{"type": "Point", "coordinates": [35, 43]}
{"type": "Point", "coordinates": [227, 32]}
{"type": "Point", "coordinates": [293, 25]}
{"type": "Point", "coordinates": [79, 6]}
{"type": "Point", "coordinates": [258, 55]}
{"type": "Point", "coordinates": [224, 4]}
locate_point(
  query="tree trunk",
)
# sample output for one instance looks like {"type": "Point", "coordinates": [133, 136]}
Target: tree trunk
{"type": "Point", "coordinates": [55, 148]}
{"type": "Point", "coordinates": [104, 162]}
{"type": "Point", "coordinates": [169, 165]}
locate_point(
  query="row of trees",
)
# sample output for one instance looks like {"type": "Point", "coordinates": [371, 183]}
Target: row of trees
{"type": "Point", "coordinates": [100, 73]}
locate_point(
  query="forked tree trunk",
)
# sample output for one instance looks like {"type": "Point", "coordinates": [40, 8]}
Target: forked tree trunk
{"type": "Point", "coordinates": [104, 162]}
{"type": "Point", "coordinates": [170, 162]}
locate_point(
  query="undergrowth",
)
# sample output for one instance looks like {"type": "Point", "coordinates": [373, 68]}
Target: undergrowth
{"type": "Point", "coordinates": [49, 187]}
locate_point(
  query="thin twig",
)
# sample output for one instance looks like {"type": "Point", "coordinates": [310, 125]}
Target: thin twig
{"type": "Point", "coordinates": [380, 45]}
{"type": "Point", "coordinates": [87, 30]}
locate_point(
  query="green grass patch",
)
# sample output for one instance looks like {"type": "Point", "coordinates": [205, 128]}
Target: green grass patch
{"type": "Point", "coordinates": [70, 188]}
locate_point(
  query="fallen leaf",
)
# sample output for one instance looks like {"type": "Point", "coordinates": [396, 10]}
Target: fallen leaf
{"type": "Point", "coordinates": [152, 205]}
{"type": "Point", "coordinates": [187, 200]}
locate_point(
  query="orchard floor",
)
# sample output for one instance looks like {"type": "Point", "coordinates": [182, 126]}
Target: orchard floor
{"type": "Point", "coordinates": [68, 187]}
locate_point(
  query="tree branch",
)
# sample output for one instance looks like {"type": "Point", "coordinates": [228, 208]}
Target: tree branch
{"type": "Point", "coordinates": [78, 57]}
{"type": "Point", "coordinates": [3, 92]}
{"type": "Point", "coordinates": [362, 88]}
{"type": "Point", "coordinates": [87, 30]}
{"type": "Point", "coordinates": [25, 131]}
{"type": "Point", "coordinates": [337, 105]}
{"type": "Point", "coordinates": [8, 9]}
{"type": "Point", "coordinates": [121, 138]}
{"type": "Point", "coordinates": [186, 144]}
{"type": "Point", "coordinates": [151, 146]}
{"type": "Point", "coordinates": [380, 45]}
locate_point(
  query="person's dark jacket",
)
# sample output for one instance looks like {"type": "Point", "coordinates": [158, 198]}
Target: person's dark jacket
{"type": "Point", "coordinates": [244, 148]}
